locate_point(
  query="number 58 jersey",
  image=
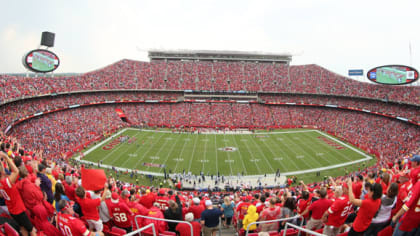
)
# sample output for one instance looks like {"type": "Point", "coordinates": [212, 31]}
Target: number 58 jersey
{"type": "Point", "coordinates": [120, 213]}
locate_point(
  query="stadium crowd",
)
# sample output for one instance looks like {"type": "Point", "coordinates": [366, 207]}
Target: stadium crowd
{"type": "Point", "coordinates": [68, 129]}
{"type": "Point", "coordinates": [19, 109]}
{"type": "Point", "coordinates": [49, 196]}
{"type": "Point", "coordinates": [209, 76]}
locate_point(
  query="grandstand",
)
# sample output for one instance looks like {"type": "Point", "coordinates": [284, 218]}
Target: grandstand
{"type": "Point", "coordinates": [178, 90]}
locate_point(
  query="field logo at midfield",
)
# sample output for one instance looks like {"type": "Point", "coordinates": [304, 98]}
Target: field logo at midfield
{"type": "Point", "coordinates": [228, 149]}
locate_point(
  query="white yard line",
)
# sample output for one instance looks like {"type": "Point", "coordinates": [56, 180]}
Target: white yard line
{"type": "Point", "coordinates": [279, 161]}
{"type": "Point", "coordinates": [215, 144]}
{"type": "Point", "coordinates": [180, 155]}
{"type": "Point", "coordinates": [259, 148]}
{"type": "Point", "coordinates": [252, 155]}
{"type": "Point", "coordinates": [192, 154]}
{"type": "Point", "coordinates": [228, 154]}
{"type": "Point", "coordinates": [123, 152]}
{"type": "Point", "coordinates": [137, 149]}
{"type": "Point", "coordinates": [148, 150]}
{"type": "Point", "coordinates": [170, 152]}
{"type": "Point", "coordinates": [367, 157]}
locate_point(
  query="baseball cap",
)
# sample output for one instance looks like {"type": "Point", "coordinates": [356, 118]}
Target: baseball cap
{"type": "Point", "coordinates": [208, 203]}
{"type": "Point", "coordinates": [115, 197]}
{"type": "Point", "coordinates": [162, 191]}
{"type": "Point", "coordinates": [416, 158]}
{"type": "Point", "coordinates": [189, 217]}
{"type": "Point", "coordinates": [196, 200]}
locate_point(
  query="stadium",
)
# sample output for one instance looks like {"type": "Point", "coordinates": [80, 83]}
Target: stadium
{"type": "Point", "coordinates": [221, 121]}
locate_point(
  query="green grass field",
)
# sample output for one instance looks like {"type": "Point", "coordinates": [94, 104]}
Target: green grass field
{"type": "Point", "coordinates": [250, 154]}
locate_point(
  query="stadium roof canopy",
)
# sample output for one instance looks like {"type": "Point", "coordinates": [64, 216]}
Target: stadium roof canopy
{"type": "Point", "coordinates": [210, 55]}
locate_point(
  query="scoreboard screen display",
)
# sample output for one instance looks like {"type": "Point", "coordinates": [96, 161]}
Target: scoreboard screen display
{"type": "Point", "coordinates": [393, 74]}
{"type": "Point", "coordinates": [41, 61]}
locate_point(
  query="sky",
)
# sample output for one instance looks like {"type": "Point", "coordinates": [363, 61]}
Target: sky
{"type": "Point", "coordinates": [338, 35]}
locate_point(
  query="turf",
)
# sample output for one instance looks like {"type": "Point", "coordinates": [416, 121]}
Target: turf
{"type": "Point", "coordinates": [251, 154]}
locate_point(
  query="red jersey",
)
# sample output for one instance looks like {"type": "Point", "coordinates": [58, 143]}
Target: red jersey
{"type": "Point", "coordinates": [147, 200]}
{"type": "Point", "coordinates": [242, 209]}
{"type": "Point", "coordinates": [402, 196]}
{"type": "Point", "coordinates": [12, 197]}
{"type": "Point", "coordinates": [411, 218]}
{"type": "Point", "coordinates": [319, 207]}
{"type": "Point", "coordinates": [357, 189]}
{"type": "Point", "coordinates": [163, 202]}
{"type": "Point", "coordinates": [366, 213]}
{"type": "Point", "coordinates": [71, 226]}
{"type": "Point", "coordinates": [270, 213]}
{"type": "Point", "coordinates": [339, 211]}
{"type": "Point", "coordinates": [120, 214]}
{"type": "Point", "coordinates": [70, 190]}
{"type": "Point", "coordinates": [303, 204]}
{"type": "Point", "coordinates": [196, 210]}
{"type": "Point", "coordinates": [185, 230]}
{"type": "Point", "coordinates": [90, 208]}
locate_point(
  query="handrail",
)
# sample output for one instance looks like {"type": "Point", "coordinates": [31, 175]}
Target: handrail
{"type": "Point", "coordinates": [271, 221]}
{"type": "Point", "coordinates": [301, 229]}
{"type": "Point", "coordinates": [166, 220]}
{"type": "Point", "coordinates": [143, 228]}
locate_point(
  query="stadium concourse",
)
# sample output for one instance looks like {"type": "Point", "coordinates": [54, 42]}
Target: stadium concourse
{"type": "Point", "coordinates": [45, 120]}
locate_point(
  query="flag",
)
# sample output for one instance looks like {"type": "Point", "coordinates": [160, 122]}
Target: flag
{"type": "Point", "coordinates": [121, 114]}
{"type": "Point", "coordinates": [93, 179]}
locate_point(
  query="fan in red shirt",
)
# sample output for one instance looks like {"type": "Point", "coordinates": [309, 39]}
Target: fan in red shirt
{"type": "Point", "coordinates": [404, 189]}
{"type": "Point", "coordinates": [196, 208]}
{"type": "Point", "coordinates": [367, 210]}
{"type": "Point", "coordinates": [147, 199]}
{"type": "Point", "coordinates": [162, 200]}
{"type": "Point", "coordinates": [185, 230]}
{"type": "Point", "coordinates": [155, 212]}
{"type": "Point", "coordinates": [241, 210]}
{"type": "Point", "coordinates": [337, 214]}
{"type": "Point", "coordinates": [358, 186]}
{"type": "Point", "coordinates": [410, 211]}
{"type": "Point", "coordinates": [317, 208]}
{"type": "Point", "coordinates": [303, 203]}
{"type": "Point", "coordinates": [69, 225]}
{"type": "Point", "coordinates": [270, 213]}
{"type": "Point", "coordinates": [120, 213]}
{"type": "Point", "coordinates": [11, 195]}
{"type": "Point", "coordinates": [70, 188]}
{"type": "Point", "coordinates": [90, 208]}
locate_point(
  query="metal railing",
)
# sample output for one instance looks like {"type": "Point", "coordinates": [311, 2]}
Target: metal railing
{"type": "Point", "coordinates": [143, 228]}
{"type": "Point", "coordinates": [272, 221]}
{"type": "Point", "coordinates": [158, 219]}
{"type": "Point", "coordinates": [300, 228]}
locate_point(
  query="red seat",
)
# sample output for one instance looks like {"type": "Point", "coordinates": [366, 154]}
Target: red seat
{"type": "Point", "coordinates": [9, 230]}
{"type": "Point", "coordinates": [289, 232]}
{"type": "Point", "coordinates": [386, 232]}
{"type": "Point", "coordinates": [117, 231]}
{"type": "Point", "coordinates": [167, 233]}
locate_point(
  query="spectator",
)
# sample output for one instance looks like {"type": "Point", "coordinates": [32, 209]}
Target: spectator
{"type": "Point", "coordinates": [250, 217]}
{"type": "Point", "coordinates": [59, 195]}
{"type": "Point", "coordinates": [185, 230]}
{"type": "Point", "coordinates": [271, 212]}
{"type": "Point", "coordinates": [46, 185]}
{"type": "Point", "coordinates": [90, 208]}
{"type": "Point", "coordinates": [383, 216]}
{"type": "Point", "coordinates": [367, 210]}
{"type": "Point", "coordinates": [174, 212]}
{"type": "Point", "coordinates": [12, 197]}
{"type": "Point", "coordinates": [336, 215]}
{"type": "Point", "coordinates": [228, 207]}
{"type": "Point", "coordinates": [70, 225]}
{"type": "Point", "coordinates": [196, 208]}
{"type": "Point", "coordinates": [120, 213]}
{"type": "Point", "coordinates": [210, 219]}
{"type": "Point", "coordinates": [318, 209]}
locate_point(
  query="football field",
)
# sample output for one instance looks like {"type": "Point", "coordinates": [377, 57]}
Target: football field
{"type": "Point", "coordinates": [259, 153]}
